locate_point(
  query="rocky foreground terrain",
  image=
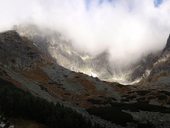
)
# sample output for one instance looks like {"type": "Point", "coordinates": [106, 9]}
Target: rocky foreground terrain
{"type": "Point", "coordinates": [26, 66]}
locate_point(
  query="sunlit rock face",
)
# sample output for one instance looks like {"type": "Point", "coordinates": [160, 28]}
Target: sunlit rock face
{"type": "Point", "coordinates": [59, 47]}
{"type": "Point", "coordinates": [66, 55]}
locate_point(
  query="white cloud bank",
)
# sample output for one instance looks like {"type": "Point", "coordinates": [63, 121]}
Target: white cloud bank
{"type": "Point", "coordinates": [126, 28]}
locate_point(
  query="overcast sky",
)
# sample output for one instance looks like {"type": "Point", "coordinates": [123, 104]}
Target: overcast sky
{"type": "Point", "coordinates": [127, 29]}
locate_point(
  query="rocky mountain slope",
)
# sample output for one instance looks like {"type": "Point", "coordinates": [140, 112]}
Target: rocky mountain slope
{"type": "Point", "coordinates": [55, 44]}
{"type": "Point", "coordinates": [61, 49]}
{"type": "Point", "coordinates": [28, 67]}
{"type": "Point", "coordinates": [23, 63]}
{"type": "Point", "coordinates": [66, 55]}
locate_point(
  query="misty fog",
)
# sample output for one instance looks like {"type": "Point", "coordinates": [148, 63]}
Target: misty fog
{"type": "Point", "coordinates": [127, 29]}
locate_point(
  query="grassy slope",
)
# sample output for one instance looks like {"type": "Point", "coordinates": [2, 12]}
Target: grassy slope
{"type": "Point", "coordinates": [15, 103]}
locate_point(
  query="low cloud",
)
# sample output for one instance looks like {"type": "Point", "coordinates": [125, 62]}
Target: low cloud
{"type": "Point", "coordinates": [127, 29]}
